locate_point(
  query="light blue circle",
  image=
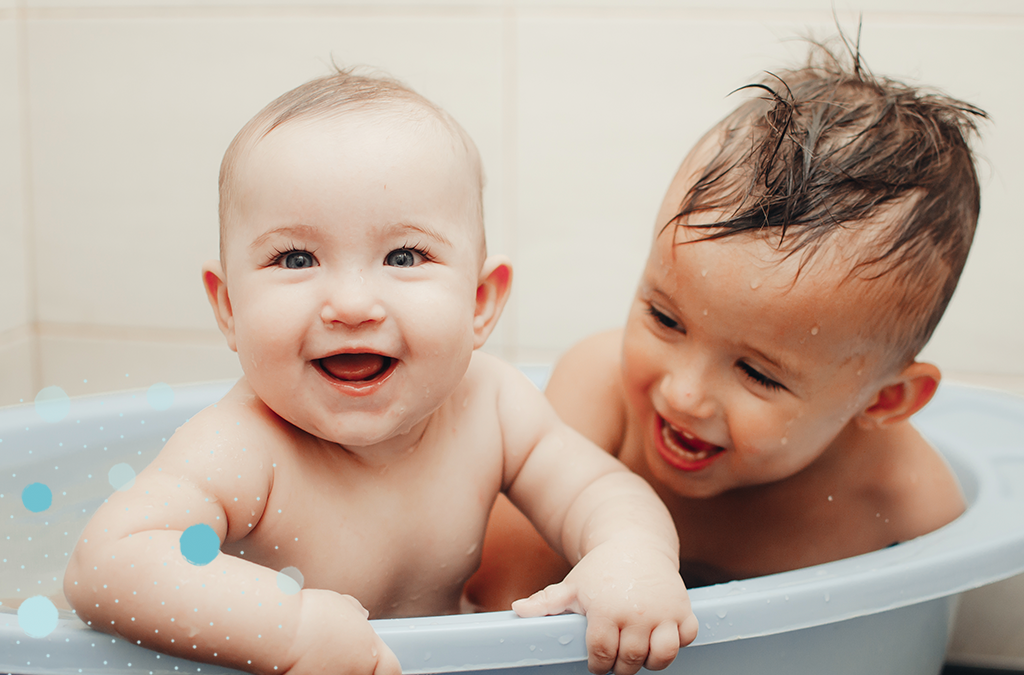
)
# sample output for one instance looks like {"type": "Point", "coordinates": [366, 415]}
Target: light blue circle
{"type": "Point", "coordinates": [290, 580]}
{"type": "Point", "coordinates": [199, 544]}
{"type": "Point", "coordinates": [160, 396]}
{"type": "Point", "coordinates": [37, 616]}
{"type": "Point", "coordinates": [52, 404]}
{"type": "Point", "coordinates": [36, 497]}
{"type": "Point", "coordinates": [121, 477]}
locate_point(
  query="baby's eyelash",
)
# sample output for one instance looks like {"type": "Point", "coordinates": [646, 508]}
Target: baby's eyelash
{"type": "Point", "coordinates": [279, 253]}
{"type": "Point", "coordinates": [420, 249]}
{"type": "Point", "coordinates": [662, 318]}
{"type": "Point", "coordinates": [760, 378]}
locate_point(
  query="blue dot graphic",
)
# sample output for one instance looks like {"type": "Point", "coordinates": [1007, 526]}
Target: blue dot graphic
{"type": "Point", "coordinates": [160, 396]}
{"type": "Point", "coordinates": [36, 497]}
{"type": "Point", "coordinates": [290, 580]}
{"type": "Point", "coordinates": [52, 404]}
{"type": "Point", "coordinates": [199, 544]}
{"type": "Point", "coordinates": [121, 476]}
{"type": "Point", "coordinates": [37, 616]}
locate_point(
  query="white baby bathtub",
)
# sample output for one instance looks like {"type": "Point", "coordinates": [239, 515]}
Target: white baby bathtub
{"type": "Point", "coordinates": [885, 612]}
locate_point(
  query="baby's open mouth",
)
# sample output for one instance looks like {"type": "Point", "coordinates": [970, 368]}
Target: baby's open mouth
{"type": "Point", "coordinates": [356, 367]}
{"type": "Point", "coordinates": [684, 450]}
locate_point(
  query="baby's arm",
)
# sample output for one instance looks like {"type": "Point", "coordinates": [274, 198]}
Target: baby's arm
{"type": "Point", "coordinates": [129, 574]}
{"type": "Point", "coordinates": [610, 524]}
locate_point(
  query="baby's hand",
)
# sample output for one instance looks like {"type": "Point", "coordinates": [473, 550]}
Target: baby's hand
{"type": "Point", "coordinates": [638, 612]}
{"type": "Point", "coordinates": [334, 636]}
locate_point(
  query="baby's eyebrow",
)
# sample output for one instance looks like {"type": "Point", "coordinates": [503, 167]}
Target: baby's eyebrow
{"type": "Point", "coordinates": [298, 231]}
{"type": "Point", "coordinates": [425, 230]}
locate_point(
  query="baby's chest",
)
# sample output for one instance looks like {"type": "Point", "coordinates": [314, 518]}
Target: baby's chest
{"type": "Point", "coordinates": [401, 546]}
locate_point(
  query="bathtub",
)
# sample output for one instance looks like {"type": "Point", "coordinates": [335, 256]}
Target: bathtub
{"type": "Point", "coordinates": [888, 611]}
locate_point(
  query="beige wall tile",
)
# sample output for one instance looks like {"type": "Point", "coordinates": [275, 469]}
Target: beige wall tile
{"type": "Point", "coordinates": [131, 116]}
{"type": "Point", "coordinates": [17, 376]}
{"type": "Point", "coordinates": [14, 297]}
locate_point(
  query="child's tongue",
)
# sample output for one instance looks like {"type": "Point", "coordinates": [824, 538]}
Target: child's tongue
{"type": "Point", "coordinates": [354, 367]}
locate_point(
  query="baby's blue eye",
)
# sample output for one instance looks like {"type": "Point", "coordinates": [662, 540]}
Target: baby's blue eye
{"type": "Point", "coordinates": [402, 257]}
{"type": "Point", "coordinates": [298, 260]}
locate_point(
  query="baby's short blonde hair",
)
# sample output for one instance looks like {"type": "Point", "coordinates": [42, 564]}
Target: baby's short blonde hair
{"type": "Point", "coordinates": [333, 96]}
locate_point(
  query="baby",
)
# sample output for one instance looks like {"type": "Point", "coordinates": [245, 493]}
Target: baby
{"type": "Point", "coordinates": [766, 374]}
{"type": "Point", "coordinates": [367, 440]}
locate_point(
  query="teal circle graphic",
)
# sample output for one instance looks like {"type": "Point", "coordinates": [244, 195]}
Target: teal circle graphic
{"type": "Point", "coordinates": [36, 497]}
{"type": "Point", "coordinates": [199, 544]}
{"type": "Point", "coordinates": [52, 404]}
{"type": "Point", "coordinates": [290, 580]}
{"type": "Point", "coordinates": [121, 476]}
{"type": "Point", "coordinates": [160, 396]}
{"type": "Point", "coordinates": [37, 616]}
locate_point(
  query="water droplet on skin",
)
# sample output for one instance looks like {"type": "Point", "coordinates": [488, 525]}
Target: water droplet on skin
{"type": "Point", "coordinates": [783, 441]}
{"type": "Point", "coordinates": [471, 550]}
{"type": "Point", "coordinates": [830, 497]}
{"type": "Point", "coordinates": [755, 284]}
{"type": "Point", "coordinates": [703, 273]}
{"type": "Point", "coordinates": [814, 331]}
{"type": "Point", "coordinates": [705, 312]}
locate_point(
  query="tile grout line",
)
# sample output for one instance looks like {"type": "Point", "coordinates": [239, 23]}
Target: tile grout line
{"type": "Point", "coordinates": [27, 189]}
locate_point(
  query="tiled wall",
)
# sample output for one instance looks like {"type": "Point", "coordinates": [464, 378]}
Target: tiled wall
{"type": "Point", "coordinates": [114, 115]}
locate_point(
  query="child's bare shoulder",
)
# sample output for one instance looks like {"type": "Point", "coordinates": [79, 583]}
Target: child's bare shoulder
{"type": "Point", "coordinates": [586, 389]}
{"type": "Point", "coordinates": [918, 488]}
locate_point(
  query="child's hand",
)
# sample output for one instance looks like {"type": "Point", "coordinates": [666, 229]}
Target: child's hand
{"type": "Point", "coordinates": [638, 612]}
{"type": "Point", "coordinates": [334, 636]}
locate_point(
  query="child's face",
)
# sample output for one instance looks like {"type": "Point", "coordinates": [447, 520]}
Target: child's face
{"type": "Point", "coordinates": [739, 373]}
{"type": "Point", "coordinates": [352, 256]}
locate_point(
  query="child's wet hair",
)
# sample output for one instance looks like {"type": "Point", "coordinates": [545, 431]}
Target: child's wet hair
{"type": "Point", "coordinates": [343, 92]}
{"type": "Point", "coordinates": [831, 148]}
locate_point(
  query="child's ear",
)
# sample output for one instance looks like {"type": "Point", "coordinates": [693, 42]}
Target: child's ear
{"type": "Point", "coordinates": [491, 294]}
{"type": "Point", "coordinates": [217, 293]}
{"type": "Point", "coordinates": [899, 400]}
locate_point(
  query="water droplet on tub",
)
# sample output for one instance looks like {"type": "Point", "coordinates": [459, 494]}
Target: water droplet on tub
{"type": "Point", "coordinates": [160, 396]}
{"type": "Point", "coordinates": [121, 477]}
{"type": "Point", "coordinates": [722, 613]}
{"type": "Point", "coordinates": [827, 597]}
{"type": "Point", "coordinates": [52, 404]}
{"type": "Point", "coordinates": [565, 639]}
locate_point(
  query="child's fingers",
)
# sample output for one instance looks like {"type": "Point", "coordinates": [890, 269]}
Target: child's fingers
{"type": "Point", "coordinates": [634, 647]}
{"type": "Point", "coordinates": [688, 630]}
{"type": "Point", "coordinates": [665, 642]}
{"type": "Point", "coordinates": [387, 662]}
{"type": "Point", "coordinates": [554, 599]}
{"type": "Point", "coordinates": [602, 645]}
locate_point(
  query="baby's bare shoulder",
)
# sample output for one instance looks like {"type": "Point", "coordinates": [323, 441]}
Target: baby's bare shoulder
{"type": "Point", "coordinates": [920, 490]}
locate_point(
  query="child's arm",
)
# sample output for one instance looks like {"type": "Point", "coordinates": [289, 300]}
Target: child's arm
{"type": "Point", "coordinates": [610, 524]}
{"type": "Point", "coordinates": [585, 390]}
{"type": "Point", "coordinates": [129, 575]}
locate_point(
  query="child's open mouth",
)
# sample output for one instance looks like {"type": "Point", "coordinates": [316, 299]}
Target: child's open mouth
{"type": "Point", "coordinates": [683, 450]}
{"type": "Point", "coordinates": [357, 368]}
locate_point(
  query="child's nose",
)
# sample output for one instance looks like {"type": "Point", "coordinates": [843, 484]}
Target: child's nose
{"type": "Point", "coordinates": [351, 300]}
{"type": "Point", "coordinates": [686, 389]}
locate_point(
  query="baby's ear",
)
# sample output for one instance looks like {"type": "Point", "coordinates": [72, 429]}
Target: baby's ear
{"type": "Point", "coordinates": [897, 401]}
{"type": "Point", "coordinates": [491, 295]}
{"type": "Point", "coordinates": [216, 285]}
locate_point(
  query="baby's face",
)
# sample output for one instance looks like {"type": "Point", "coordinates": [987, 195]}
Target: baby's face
{"type": "Point", "coordinates": [737, 372]}
{"type": "Point", "coordinates": [352, 256]}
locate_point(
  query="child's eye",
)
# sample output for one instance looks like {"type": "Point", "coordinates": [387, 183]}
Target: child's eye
{"type": "Point", "coordinates": [405, 257]}
{"type": "Point", "coordinates": [295, 259]}
{"type": "Point", "coordinates": [662, 318]}
{"type": "Point", "coordinates": [758, 377]}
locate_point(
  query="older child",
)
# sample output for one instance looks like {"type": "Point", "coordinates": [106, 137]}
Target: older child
{"type": "Point", "coordinates": [763, 382]}
{"type": "Point", "coordinates": [368, 439]}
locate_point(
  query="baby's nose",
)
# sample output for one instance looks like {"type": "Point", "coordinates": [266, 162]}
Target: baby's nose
{"type": "Point", "coordinates": [352, 300]}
